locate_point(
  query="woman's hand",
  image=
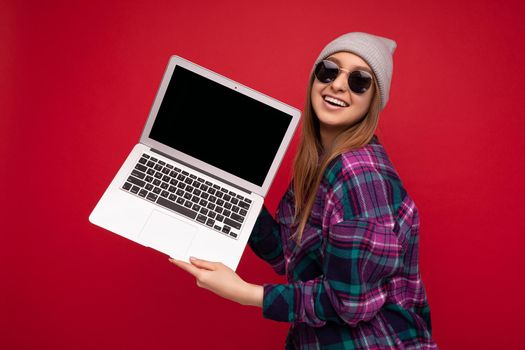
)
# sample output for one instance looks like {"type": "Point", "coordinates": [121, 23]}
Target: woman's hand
{"type": "Point", "coordinates": [223, 281]}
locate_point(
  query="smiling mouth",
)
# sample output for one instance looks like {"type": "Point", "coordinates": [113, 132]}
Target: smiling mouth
{"type": "Point", "coordinates": [335, 102]}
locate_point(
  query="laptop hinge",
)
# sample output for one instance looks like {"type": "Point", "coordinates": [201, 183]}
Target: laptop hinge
{"type": "Point", "coordinates": [199, 170]}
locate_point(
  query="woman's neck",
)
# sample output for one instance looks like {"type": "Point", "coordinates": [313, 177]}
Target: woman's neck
{"type": "Point", "coordinates": [328, 136]}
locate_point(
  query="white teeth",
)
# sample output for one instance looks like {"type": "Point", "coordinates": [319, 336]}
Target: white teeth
{"type": "Point", "coordinates": [336, 101]}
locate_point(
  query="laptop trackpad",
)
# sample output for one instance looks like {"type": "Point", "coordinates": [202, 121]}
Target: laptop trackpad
{"type": "Point", "coordinates": [167, 234]}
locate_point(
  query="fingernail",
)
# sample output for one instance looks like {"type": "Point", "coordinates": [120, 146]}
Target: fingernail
{"type": "Point", "coordinates": [192, 258]}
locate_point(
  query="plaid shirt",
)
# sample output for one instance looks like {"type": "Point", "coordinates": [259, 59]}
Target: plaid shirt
{"type": "Point", "coordinates": [354, 281]}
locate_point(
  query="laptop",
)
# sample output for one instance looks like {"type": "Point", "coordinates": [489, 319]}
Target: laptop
{"type": "Point", "coordinates": [195, 183]}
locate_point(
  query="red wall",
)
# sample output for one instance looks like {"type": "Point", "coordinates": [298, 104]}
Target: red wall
{"type": "Point", "coordinates": [78, 80]}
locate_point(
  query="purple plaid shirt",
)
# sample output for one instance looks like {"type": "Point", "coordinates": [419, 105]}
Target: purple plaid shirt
{"type": "Point", "coordinates": [354, 281]}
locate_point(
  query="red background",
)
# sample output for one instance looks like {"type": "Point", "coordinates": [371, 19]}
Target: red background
{"type": "Point", "coordinates": [78, 80]}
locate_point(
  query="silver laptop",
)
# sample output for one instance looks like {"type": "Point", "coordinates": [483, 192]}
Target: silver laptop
{"type": "Point", "coordinates": [196, 181]}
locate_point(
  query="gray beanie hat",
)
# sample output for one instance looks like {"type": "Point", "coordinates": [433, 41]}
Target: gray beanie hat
{"type": "Point", "coordinates": [375, 50]}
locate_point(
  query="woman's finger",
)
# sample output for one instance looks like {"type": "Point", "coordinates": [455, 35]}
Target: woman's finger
{"type": "Point", "coordinates": [186, 267]}
{"type": "Point", "coordinates": [204, 264]}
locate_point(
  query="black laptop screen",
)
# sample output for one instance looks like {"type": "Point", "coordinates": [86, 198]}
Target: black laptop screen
{"type": "Point", "coordinates": [219, 126]}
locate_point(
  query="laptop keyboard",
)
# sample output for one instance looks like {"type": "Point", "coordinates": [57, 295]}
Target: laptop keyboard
{"type": "Point", "coordinates": [188, 194]}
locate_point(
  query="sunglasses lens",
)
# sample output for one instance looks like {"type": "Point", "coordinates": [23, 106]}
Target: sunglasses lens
{"type": "Point", "coordinates": [359, 81]}
{"type": "Point", "coordinates": [326, 71]}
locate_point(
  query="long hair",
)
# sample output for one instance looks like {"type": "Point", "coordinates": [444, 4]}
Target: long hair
{"type": "Point", "coordinates": [309, 168]}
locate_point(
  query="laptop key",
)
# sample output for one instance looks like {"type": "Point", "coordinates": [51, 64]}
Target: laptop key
{"type": "Point", "coordinates": [237, 217]}
{"type": "Point", "coordinates": [201, 218]}
{"type": "Point", "coordinates": [136, 181]}
{"type": "Point", "coordinates": [151, 196]}
{"type": "Point", "coordinates": [126, 186]}
{"type": "Point", "coordinates": [177, 208]}
{"type": "Point", "coordinates": [141, 167]}
{"type": "Point", "coordinates": [232, 223]}
{"type": "Point", "coordinates": [244, 205]}
{"type": "Point", "coordinates": [138, 174]}
{"type": "Point", "coordinates": [143, 193]}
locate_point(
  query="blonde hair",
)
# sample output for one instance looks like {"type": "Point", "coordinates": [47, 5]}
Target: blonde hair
{"type": "Point", "coordinates": [308, 168]}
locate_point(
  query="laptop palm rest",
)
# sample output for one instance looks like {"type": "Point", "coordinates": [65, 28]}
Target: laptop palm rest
{"type": "Point", "coordinates": [167, 234]}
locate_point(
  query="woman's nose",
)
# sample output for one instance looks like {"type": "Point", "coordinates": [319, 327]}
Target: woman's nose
{"type": "Point", "coordinates": [340, 83]}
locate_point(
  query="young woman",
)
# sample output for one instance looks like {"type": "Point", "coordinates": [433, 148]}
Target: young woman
{"type": "Point", "coordinates": [346, 232]}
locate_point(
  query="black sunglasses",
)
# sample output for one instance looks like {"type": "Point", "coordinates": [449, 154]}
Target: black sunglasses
{"type": "Point", "coordinates": [327, 71]}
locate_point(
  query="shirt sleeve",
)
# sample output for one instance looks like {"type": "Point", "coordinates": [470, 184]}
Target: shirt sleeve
{"type": "Point", "coordinates": [360, 257]}
{"type": "Point", "coordinates": [361, 254]}
{"type": "Point", "coordinates": [265, 241]}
